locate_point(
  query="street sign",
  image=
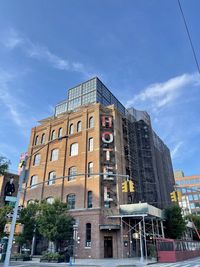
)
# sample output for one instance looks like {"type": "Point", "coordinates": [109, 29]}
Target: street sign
{"type": "Point", "coordinates": [10, 199]}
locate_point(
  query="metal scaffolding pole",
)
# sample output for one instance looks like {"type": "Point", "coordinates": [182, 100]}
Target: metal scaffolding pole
{"type": "Point", "coordinates": [162, 229]}
{"type": "Point", "coordinates": [141, 243]}
{"type": "Point", "coordinates": [145, 239]}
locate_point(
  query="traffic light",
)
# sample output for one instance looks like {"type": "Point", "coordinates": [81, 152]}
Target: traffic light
{"type": "Point", "coordinates": [131, 186]}
{"type": "Point", "coordinates": [179, 195]}
{"type": "Point", "coordinates": [125, 186]}
{"type": "Point", "coordinates": [173, 196]}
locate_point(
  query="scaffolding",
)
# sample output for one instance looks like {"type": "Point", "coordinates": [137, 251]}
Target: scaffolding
{"type": "Point", "coordinates": [140, 225]}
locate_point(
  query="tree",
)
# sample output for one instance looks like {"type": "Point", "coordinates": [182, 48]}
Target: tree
{"type": "Point", "coordinates": [54, 222]}
{"type": "Point", "coordinates": [28, 219]}
{"type": "Point", "coordinates": [175, 223]}
{"type": "Point", "coordinates": [3, 219]}
{"type": "Point", "coordinates": [4, 164]}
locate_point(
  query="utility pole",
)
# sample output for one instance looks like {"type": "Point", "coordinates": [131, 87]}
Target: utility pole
{"type": "Point", "coordinates": [12, 228]}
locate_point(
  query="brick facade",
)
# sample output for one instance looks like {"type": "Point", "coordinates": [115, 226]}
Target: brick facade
{"type": "Point", "coordinates": [81, 184]}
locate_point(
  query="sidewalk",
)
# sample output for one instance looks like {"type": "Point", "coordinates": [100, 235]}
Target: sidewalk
{"type": "Point", "coordinates": [129, 262]}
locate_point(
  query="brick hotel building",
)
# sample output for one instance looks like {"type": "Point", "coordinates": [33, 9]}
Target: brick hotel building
{"type": "Point", "coordinates": [99, 136]}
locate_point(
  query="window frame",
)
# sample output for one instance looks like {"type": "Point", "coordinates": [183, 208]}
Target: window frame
{"type": "Point", "coordinates": [36, 161]}
{"type": "Point", "coordinates": [35, 181]}
{"type": "Point", "coordinates": [60, 131]}
{"type": "Point", "coordinates": [36, 140]}
{"type": "Point", "coordinates": [71, 128]}
{"type": "Point", "coordinates": [53, 151]}
{"type": "Point", "coordinates": [72, 204]}
{"type": "Point", "coordinates": [79, 126]}
{"type": "Point", "coordinates": [43, 138]}
{"type": "Point", "coordinates": [90, 199]}
{"type": "Point", "coordinates": [91, 144]}
{"type": "Point", "coordinates": [51, 181]}
{"type": "Point", "coordinates": [91, 122]}
{"type": "Point", "coordinates": [72, 171]}
{"type": "Point", "coordinates": [74, 149]}
{"type": "Point", "coordinates": [53, 135]}
{"type": "Point", "coordinates": [88, 235]}
{"type": "Point", "coordinates": [89, 168]}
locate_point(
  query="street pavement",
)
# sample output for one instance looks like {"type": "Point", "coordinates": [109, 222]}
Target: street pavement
{"type": "Point", "coordinates": [107, 263]}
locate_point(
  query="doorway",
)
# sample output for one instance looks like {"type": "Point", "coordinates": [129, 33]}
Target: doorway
{"type": "Point", "coordinates": [108, 247]}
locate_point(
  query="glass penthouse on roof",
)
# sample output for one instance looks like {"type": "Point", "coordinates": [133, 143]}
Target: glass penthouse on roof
{"type": "Point", "coordinates": [92, 91]}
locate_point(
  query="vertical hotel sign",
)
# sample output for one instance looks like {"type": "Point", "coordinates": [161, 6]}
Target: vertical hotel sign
{"type": "Point", "coordinates": [107, 151]}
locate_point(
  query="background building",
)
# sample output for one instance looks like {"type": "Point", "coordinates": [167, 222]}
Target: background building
{"type": "Point", "coordinates": [91, 137]}
{"type": "Point", "coordinates": [190, 188]}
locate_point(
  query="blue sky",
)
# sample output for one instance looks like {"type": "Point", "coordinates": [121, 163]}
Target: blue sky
{"type": "Point", "coordinates": [138, 48]}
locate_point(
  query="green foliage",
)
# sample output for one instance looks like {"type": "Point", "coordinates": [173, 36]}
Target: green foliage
{"type": "Point", "coordinates": [3, 219]}
{"type": "Point", "coordinates": [4, 164]}
{"type": "Point", "coordinates": [28, 219]}
{"type": "Point", "coordinates": [175, 223]}
{"type": "Point", "coordinates": [49, 256]}
{"type": "Point", "coordinates": [53, 221]}
{"type": "Point", "coordinates": [19, 256]}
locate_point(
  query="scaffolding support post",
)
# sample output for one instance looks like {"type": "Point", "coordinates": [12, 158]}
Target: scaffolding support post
{"type": "Point", "coordinates": [141, 245]}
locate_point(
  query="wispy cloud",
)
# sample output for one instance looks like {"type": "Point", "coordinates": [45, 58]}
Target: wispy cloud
{"type": "Point", "coordinates": [13, 40]}
{"type": "Point", "coordinates": [12, 105]}
{"type": "Point", "coordinates": [176, 149]}
{"type": "Point", "coordinates": [159, 95]}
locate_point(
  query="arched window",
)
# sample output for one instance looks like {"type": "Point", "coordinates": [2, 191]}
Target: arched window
{"type": "Point", "coordinates": [90, 168]}
{"type": "Point", "coordinates": [33, 181]}
{"type": "Point", "coordinates": [52, 176]}
{"type": "Point", "coordinates": [88, 235]}
{"type": "Point", "coordinates": [60, 132]}
{"type": "Point", "coordinates": [91, 122]}
{"type": "Point", "coordinates": [37, 159]}
{"type": "Point", "coordinates": [43, 138]}
{"type": "Point", "coordinates": [71, 201]}
{"type": "Point", "coordinates": [50, 200]}
{"type": "Point", "coordinates": [71, 128]}
{"type": "Point", "coordinates": [79, 126]}
{"type": "Point", "coordinates": [89, 199]}
{"type": "Point", "coordinates": [36, 140]}
{"type": "Point", "coordinates": [54, 154]}
{"type": "Point", "coordinates": [90, 144]}
{"type": "Point", "coordinates": [53, 135]}
{"type": "Point", "coordinates": [74, 149]}
{"type": "Point", "coordinates": [72, 172]}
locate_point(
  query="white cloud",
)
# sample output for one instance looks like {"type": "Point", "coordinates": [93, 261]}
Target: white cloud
{"type": "Point", "coordinates": [158, 95]}
{"type": "Point", "coordinates": [12, 104]}
{"type": "Point", "coordinates": [176, 149]}
{"type": "Point", "coordinates": [13, 40]}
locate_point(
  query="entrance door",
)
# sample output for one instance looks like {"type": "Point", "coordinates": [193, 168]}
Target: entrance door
{"type": "Point", "coordinates": [108, 247]}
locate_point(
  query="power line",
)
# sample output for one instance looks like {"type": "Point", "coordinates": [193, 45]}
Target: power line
{"type": "Point", "coordinates": [189, 36]}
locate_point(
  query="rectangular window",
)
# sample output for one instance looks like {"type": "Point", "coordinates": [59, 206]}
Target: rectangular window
{"type": "Point", "coordinates": [37, 159]}
{"type": "Point", "coordinates": [71, 201]}
{"type": "Point", "coordinates": [54, 154]}
{"type": "Point", "coordinates": [90, 144]}
{"type": "Point", "coordinates": [72, 173]}
{"type": "Point", "coordinates": [88, 235]}
{"type": "Point", "coordinates": [89, 199]}
{"type": "Point", "coordinates": [51, 178]}
{"type": "Point", "coordinates": [33, 181]}
{"type": "Point", "coordinates": [74, 149]}
{"type": "Point", "coordinates": [90, 168]}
